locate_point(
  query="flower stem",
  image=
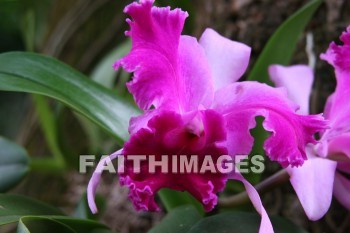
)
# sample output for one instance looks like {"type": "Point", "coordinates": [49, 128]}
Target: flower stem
{"type": "Point", "coordinates": [266, 185]}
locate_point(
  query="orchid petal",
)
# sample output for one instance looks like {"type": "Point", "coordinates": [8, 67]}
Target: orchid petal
{"type": "Point", "coordinates": [138, 122]}
{"type": "Point", "coordinates": [344, 167]}
{"type": "Point", "coordinates": [340, 146]}
{"type": "Point", "coordinates": [342, 190]}
{"type": "Point", "coordinates": [290, 132]}
{"type": "Point", "coordinates": [95, 180]}
{"type": "Point", "coordinates": [265, 225]}
{"type": "Point", "coordinates": [169, 133]}
{"type": "Point", "coordinates": [198, 87]}
{"type": "Point", "coordinates": [298, 80]}
{"type": "Point", "coordinates": [169, 71]}
{"type": "Point", "coordinates": [338, 108]}
{"type": "Point", "coordinates": [316, 174]}
{"type": "Point", "coordinates": [228, 59]}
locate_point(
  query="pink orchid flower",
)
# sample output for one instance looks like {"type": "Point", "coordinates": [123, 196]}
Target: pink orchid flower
{"type": "Point", "coordinates": [329, 162]}
{"type": "Point", "coordinates": [193, 105]}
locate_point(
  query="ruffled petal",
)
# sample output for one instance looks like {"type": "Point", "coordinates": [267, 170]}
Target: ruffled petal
{"type": "Point", "coordinates": [265, 225]}
{"type": "Point", "coordinates": [290, 132]}
{"type": "Point", "coordinates": [338, 107]}
{"type": "Point", "coordinates": [342, 190]}
{"type": "Point", "coordinates": [316, 174]}
{"type": "Point", "coordinates": [298, 80]}
{"type": "Point", "coordinates": [168, 71]}
{"type": "Point", "coordinates": [95, 180]}
{"type": "Point", "coordinates": [228, 59]}
{"type": "Point", "coordinates": [168, 133]}
{"type": "Point", "coordinates": [138, 122]}
{"type": "Point", "coordinates": [339, 55]}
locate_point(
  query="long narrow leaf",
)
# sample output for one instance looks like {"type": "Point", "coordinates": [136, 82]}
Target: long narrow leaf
{"type": "Point", "coordinates": [33, 73]}
{"type": "Point", "coordinates": [281, 46]}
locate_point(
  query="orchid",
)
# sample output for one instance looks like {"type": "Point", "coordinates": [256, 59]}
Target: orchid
{"type": "Point", "coordinates": [193, 104]}
{"type": "Point", "coordinates": [325, 173]}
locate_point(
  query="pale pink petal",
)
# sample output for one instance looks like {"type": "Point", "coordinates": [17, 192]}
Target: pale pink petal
{"type": "Point", "coordinates": [342, 190]}
{"type": "Point", "coordinates": [228, 59]}
{"type": "Point", "coordinates": [95, 180]}
{"type": "Point", "coordinates": [290, 132]}
{"type": "Point", "coordinates": [313, 184]}
{"type": "Point", "coordinates": [167, 71]}
{"type": "Point", "coordinates": [298, 80]}
{"type": "Point", "coordinates": [265, 225]}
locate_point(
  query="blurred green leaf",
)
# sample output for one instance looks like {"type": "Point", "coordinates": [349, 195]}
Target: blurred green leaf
{"type": "Point", "coordinates": [179, 220]}
{"type": "Point", "coordinates": [33, 73]}
{"type": "Point", "coordinates": [49, 127]}
{"type": "Point", "coordinates": [53, 224]}
{"type": "Point", "coordinates": [82, 225]}
{"type": "Point", "coordinates": [104, 73]}
{"type": "Point", "coordinates": [83, 211]}
{"type": "Point", "coordinates": [281, 45]}
{"type": "Point", "coordinates": [34, 224]}
{"type": "Point", "coordinates": [13, 164]}
{"type": "Point", "coordinates": [173, 199]}
{"type": "Point", "coordinates": [13, 207]}
{"type": "Point", "coordinates": [241, 222]}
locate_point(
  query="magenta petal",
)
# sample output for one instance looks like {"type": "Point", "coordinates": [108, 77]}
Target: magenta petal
{"type": "Point", "coordinates": [228, 59]}
{"type": "Point", "coordinates": [339, 55]}
{"type": "Point", "coordinates": [95, 180]}
{"type": "Point", "coordinates": [265, 225]}
{"type": "Point", "coordinates": [342, 190]}
{"type": "Point", "coordinates": [316, 174]}
{"type": "Point", "coordinates": [169, 71]}
{"type": "Point", "coordinates": [197, 87]}
{"type": "Point", "coordinates": [169, 133]}
{"type": "Point", "coordinates": [338, 107]}
{"type": "Point", "coordinates": [138, 122]}
{"type": "Point", "coordinates": [298, 80]}
{"type": "Point", "coordinates": [241, 102]}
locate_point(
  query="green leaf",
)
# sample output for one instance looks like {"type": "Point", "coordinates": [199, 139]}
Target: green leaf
{"type": "Point", "coordinates": [44, 224]}
{"type": "Point", "coordinates": [241, 222]}
{"type": "Point", "coordinates": [82, 225]}
{"type": "Point", "coordinates": [179, 220]}
{"type": "Point", "coordinates": [104, 73]}
{"type": "Point", "coordinates": [13, 207]}
{"type": "Point", "coordinates": [13, 164]}
{"type": "Point", "coordinates": [173, 199]}
{"type": "Point", "coordinates": [280, 47]}
{"type": "Point", "coordinates": [34, 224]}
{"type": "Point", "coordinates": [33, 73]}
{"type": "Point", "coordinates": [83, 211]}
{"type": "Point", "coordinates": [49, 127]}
